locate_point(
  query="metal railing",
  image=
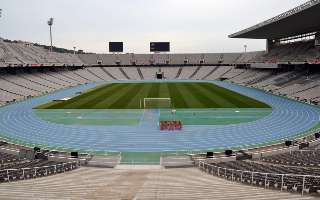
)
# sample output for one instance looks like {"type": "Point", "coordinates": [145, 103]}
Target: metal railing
{"type": "Point", "coordinates": [8, 175]}
{"type": "Point", "coordinates": [283, 182]}
{"type": "Point", "coordinates": [279, 17]}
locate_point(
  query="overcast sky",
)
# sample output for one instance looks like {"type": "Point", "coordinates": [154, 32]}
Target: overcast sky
{"type": "Point", "coordinates": [192, 26]}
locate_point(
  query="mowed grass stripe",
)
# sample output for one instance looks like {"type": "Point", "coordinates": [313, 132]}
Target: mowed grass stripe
{"type": "Point", "coordinates": [192, 98]}
{"type": "Point", "coordinates": [237, 99]}
{"type": "Point", "coordinates": [132, 101]}
{"type": "Point", "coordinates": [177, 97]}
{"type": "Point", "coordinates": [204, 97]}
{"type": "Point", "coordinates": [87, 97]}
{"type": "Point", "coordinates": [215, 99]}
{"type": "Point", "coordinates": [100, 96]}
{"type": "Point", "coordinates": [103, 99]}
{"type": "Point", "coordinates": [164, 91]}
{"type": "Point", "coordinates": [127, 94]}
{"type": "Point", "coordinates": [154, 92]}
{"type": "Point", "coordinates": [143, 93]}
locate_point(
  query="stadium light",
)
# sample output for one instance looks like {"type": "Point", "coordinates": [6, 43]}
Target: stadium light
{"type": "Point", "coordinates": [50, 23]}
{"type": "Point", "coordinates": [245, 48]}
{"type": "Point", "coordinates": [74, 50]}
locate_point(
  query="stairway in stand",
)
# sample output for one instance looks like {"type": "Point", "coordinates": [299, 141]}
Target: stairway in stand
{"type": "Point", "coordinates": [139, 184]}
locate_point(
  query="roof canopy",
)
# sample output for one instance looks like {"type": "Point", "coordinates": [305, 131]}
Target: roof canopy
{"type": "Point", "coordinates": [300, 20]}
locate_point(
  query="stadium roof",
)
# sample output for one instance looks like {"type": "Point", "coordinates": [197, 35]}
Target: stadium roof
{"type": "Point", "coordinates": [300, 20]}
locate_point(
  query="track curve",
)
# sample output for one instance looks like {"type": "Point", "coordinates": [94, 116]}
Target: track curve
{"type": "Point", "coordinates": [288, 118]}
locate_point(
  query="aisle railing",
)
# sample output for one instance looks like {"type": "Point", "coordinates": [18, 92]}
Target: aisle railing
{"type": "Point", "coordinates": [8, 175]}
{"type": "Point", "coordinates": [283, 182]}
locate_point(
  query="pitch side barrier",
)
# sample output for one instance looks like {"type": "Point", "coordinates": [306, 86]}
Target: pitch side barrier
{"type": "Point", "coordinates": [40, 66]}
{"type": "Point", "coordinates": [102, 65]}
{"type": "Point", "coordinates": [19, 67]}
{"type": "Point", "coordinates": [163, 65]}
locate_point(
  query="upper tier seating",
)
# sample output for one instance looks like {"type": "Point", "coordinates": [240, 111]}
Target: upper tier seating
{"type": "Point", "coordinates": [23, 54]}
{"type": "Point", "coordinates": [249, 57]}
{"type": "Point", "coordinates": [292, 52]}
{"type": "Point", "coordinates": [160, 59]}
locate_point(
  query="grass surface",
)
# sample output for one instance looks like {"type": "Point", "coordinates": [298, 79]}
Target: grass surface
{"type": "Point", "coordinates": [183, 95]}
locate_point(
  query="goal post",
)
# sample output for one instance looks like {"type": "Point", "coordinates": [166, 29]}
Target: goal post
{"type": "Point", "coordinates": [156, 103]}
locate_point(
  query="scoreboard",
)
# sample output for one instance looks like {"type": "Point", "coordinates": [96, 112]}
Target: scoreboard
{"type": "Point", "coordinates": [159, 46]}
{"type": "Point", "coordinates": [115, 47]}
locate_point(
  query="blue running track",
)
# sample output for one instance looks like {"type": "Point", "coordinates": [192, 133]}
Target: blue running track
{"type": "Point", "coordinates": [288, 119]}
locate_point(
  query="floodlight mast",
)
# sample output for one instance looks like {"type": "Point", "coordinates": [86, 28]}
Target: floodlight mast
{"type": "Point", "coordinates": [0, 15]}
{"type": "Point", "coordinates": [50, 23]}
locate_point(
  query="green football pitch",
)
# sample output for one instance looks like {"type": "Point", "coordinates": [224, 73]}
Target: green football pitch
{"type": "Point", "coordinates": [182, 95]}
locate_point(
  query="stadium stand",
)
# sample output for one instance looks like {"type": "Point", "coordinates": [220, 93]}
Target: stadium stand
{"type": "Point", "coordinates": [99, 72]}
{"type": "Point", "coordinates": [298, 52]}
{"type": "Point", "coordinates": [294, 170]}
{"type": "Point", "coordinates": [249, 57]}
{"type": "Point", "coordinates": [131, 73]}
{"type": "Point", "coordinates": [293, 179]}
{"type": "Point", "coordinates": [218, 73]}
{"type": "Point", "coordinates": [234, 72]}
{"type": "Point", "coordinates": [187, 72]}
{"type": "Point", "coordinates": [202, 72]}
{"type": "Point", "coordinates": [149, 73]}
{"type": "Point", "coordinates": [25, 83]}
{"type": "Point", "coordinates": [288, 68]}
{"type": "Point", "coordinates": [116, 72]}
{"type": "Point", "coordinates": [159, 59]}
{"type": "Point", "coordinates": [18, 53]}
{"type": "Point", "coordinates": [89, 59]}
{"type": "Point", "coordinates": [170, 72]}
{"type": "Point", "coordinates": [178, 59]}
{"type": "Point", "coordinates": [97, 183]}
{"type": "Point", "coordinates": [305, 158]}
{"type": "Point", "coordinates": [20, 83]}
{"type": "Point", "coordinates": [14, 167]}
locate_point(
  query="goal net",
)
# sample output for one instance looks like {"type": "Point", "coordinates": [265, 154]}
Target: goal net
{"type": "Point", "coordinates": [156, 103]}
